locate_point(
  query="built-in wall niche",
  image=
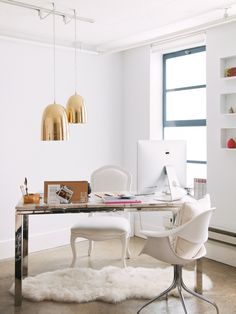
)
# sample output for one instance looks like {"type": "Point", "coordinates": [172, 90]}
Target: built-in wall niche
{"type": "Point", "coordinates": [228, 104]}
{"type": "Point", "coordinates": [226, 134]}
{"type": "Point", "coordinates": [228, 63]}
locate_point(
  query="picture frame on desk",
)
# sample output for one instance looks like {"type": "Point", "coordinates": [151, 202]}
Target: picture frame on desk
{"type": "Point", "coordinates": [64, 192]}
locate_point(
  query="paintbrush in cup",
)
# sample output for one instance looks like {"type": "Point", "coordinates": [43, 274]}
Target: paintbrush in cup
{"type": "Point", "coordinates": [26, 187]}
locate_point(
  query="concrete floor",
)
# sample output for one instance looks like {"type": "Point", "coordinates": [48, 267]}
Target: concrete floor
{"type": "Point", "coordinates": [107, 253]}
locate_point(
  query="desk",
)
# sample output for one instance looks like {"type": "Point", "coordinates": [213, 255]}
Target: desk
{"type": "Point", "coordinates": [23, 211]}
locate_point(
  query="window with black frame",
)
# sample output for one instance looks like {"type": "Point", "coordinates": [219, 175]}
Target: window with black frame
{"type": "Point", "coordinates": [184, 105]}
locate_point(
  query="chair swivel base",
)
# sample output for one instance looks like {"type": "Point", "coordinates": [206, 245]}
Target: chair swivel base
{"type": "Point", "coordinates": [179, 284]}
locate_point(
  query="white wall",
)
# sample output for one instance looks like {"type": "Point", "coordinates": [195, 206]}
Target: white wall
{"type": "Point", "coordinates": [136, 104]}
{"type": "Point", "coordinates": [221, 164]}
{"type": "Point", "coordinates": [25, 90]}
{"type": "Point", "coordinates": [142, 102]}
{"type": "Point", "coordinates": [142, 113]}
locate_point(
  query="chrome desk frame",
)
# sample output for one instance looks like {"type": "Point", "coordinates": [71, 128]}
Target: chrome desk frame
{"type": "Point", "coordinates": [22, 230]}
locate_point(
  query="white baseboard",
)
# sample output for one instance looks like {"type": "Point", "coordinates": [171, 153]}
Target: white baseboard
{"type": "Point", "coordinates": [37, 242]}
{"type": "Point", "coordinates": [6, 249]}
{"type": "Point", "coordinates": [221, 252]}
{"type": "Point", "coordinates": [43, 241]}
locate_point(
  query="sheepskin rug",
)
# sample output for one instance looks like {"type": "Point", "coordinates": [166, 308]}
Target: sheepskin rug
{"type": "Point", "coordinates": [109, 284]}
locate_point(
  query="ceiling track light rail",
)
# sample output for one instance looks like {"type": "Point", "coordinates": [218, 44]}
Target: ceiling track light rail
{"type": "Point", "coordinates": [43, 16]}
{"type": "Point", "coordinates": [226, 13]}
{"type": "Point", "coordinates": [41, 11]}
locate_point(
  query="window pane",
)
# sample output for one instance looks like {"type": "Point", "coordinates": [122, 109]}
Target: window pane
{"type": "Point", "coordinates": [195, 137]}
{"type": "Point", "coordinates": [195, 171]}
{"type": "Point", "coordinates": [187, 70]}
{"type": "Point", "coordinates": [186, 104]}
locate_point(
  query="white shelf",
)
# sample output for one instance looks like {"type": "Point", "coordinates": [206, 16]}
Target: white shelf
{"type": "Point", "coordinates": [226, 102]}
{"type": "Point", "coordinates": [234, 149]}
{"type": "Point", "coordinates": [228, 78]}
{"type": "Point", "coordinates": [226, 134]}
{"type": "Point", "coordinates": [225, 63]}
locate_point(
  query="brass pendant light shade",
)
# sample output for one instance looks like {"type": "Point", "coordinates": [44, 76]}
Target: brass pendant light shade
{"type": "Point", "coordinates": [54, 123]}
{"type": "Point", "coordinates": [76, 111]}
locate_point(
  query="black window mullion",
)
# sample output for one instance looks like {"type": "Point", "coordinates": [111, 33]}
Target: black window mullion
{"type": "Point", "coordinates": [164, 95]}
{"type": "Point", "coordinates": [203, 162]}
{"type": "Point", "coordinates": [181, 123]}
{"type": "Point", "coordinates": [185, 88]}
{"type": "Point", "coordinates": [184, 52]}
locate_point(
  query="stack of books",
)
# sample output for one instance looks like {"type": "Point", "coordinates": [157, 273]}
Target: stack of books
{"type": "Point", "coordinates": [200, 188]}
{"type": "Point", "coordinates": [120, 199]}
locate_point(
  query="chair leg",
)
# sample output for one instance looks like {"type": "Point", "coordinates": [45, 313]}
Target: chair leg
{"type": "Point", "coordinates": [91, 245]}
{"type": "Point", "coordinates": [124, 241]}
{"type": "Point", "coordinates": [200, 296]}
{"type": "Point", "coordinates": [182, 298]}
{"type": "Point", "coordinates": [178, 282]}
{"type": "Point", "coordinates": [72, 243]}
{"type": "Point", "coordinates": [178, 274]}
{"type": "Point", "coordinates": [128, 254]}
{"type": "Point", "coordinates": [171, 287]}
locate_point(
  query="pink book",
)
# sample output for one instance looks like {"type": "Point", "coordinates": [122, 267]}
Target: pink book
{"type": "Point", "coordinates": [122, 201]}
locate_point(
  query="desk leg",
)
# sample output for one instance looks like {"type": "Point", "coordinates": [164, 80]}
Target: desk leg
{"type": "Point", "coordinates": [198, 276]}
{"type": "Point", "coordinates": [25, 245]}
{"type": "Point", "coordinates": [18, 259]}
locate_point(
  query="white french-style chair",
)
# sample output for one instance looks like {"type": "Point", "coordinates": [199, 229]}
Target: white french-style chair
{"type": "Point", "coordinates": [190, 237]}
{"type": "Point", "coordinates": [99, 228]}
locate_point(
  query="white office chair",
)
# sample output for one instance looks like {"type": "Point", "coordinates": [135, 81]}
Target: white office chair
{"type": "Point", "coordinates": [189, 239]}
{"type": "Point", "coordinates": [95, 228]}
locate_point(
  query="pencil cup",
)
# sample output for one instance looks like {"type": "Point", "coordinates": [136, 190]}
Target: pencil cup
{"type": "Point", "coordinates": [32, 198]}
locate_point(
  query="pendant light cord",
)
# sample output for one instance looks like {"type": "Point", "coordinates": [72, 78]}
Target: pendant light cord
{"type": "Point", "coordinates": [75, 56]}
{"type": "Point", "coordinates": [54, 55]}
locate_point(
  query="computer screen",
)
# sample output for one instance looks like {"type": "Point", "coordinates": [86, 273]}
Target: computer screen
{"type": "Point", "coordinates": [154, 156]}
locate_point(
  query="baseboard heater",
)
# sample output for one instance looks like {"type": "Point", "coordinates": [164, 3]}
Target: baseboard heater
{"type": "Point", "coordinates": [222, 236]}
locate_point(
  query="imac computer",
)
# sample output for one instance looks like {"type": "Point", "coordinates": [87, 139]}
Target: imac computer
{"type": "Point", "coordinates": [162, 169]}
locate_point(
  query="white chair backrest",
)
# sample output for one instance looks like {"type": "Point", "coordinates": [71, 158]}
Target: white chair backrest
{"type": "Point", "coordinates": [196, 230]}
{"type": "Point", "coordinates": [110, 179]}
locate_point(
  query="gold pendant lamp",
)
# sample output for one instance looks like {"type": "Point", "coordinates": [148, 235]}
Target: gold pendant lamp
{"type": "Point", "coordinates": [76, 111]}
{"type": "Point", "coordinates": [54, 125]}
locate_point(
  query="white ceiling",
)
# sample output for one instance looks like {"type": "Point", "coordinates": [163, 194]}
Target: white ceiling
{"type": "Point", "coordinates": [119, 24]}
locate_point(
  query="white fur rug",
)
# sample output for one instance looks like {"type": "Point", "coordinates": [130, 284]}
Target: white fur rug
{"type": "Point", "coordinates": [110, 284]}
